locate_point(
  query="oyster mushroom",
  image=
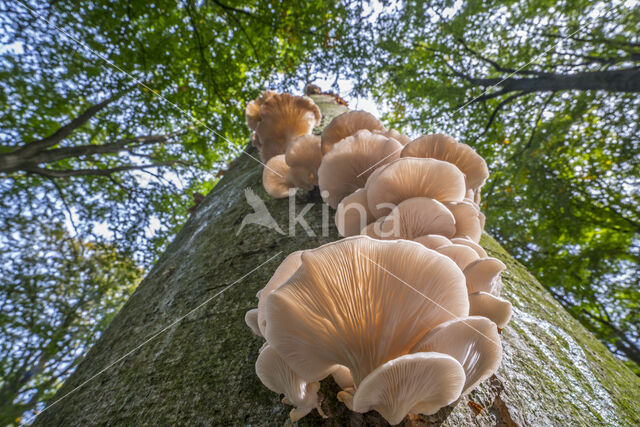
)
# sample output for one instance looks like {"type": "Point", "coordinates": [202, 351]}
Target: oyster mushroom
{"type": "Point", "coordinates": [352, 214]}
{"type": "Point", "coordinates": [252, 111]}
{"type": "Point", "coordinates": [460, 254]}
{"type": "Point", "coordinates": [303, 156]}
{"type": "Point", "coordinates": [251, 319]}
{"type": "Point", "coordinates": [490, 306]}
{"type": "Point", "coordinates": [414, 383]}
{"type": "Point", "coordinates": [278, 377]}
{"type": "Point", "coordinates": [483, 275]}
{"type": "Point", "coordinates": [416, 217]}
{"type": "Point", "coordinates": [432, 241]}
{"type": "Point", "coordinates": [360, 302]}
{"type": "Point", "coordinates": [473, 341]}
{"type": "Point", "coordinates": [347, 124]}
{"type": "Point", "coordinates": [350, 162]}
{"type": "Point", "coordinates": [409, 177]}
{"type": "Point", "coordinates": [284, 117]}
{"type": "Point", "coordinates": [473, 245]}
{"type": "Point", "coordinates": [275, 177]}
{"type": "Point", "coordinates": [468, 220]}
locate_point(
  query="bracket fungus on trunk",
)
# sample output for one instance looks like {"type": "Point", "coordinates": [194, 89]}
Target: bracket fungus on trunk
{"type": "Point", "coordinates": [406, 315]}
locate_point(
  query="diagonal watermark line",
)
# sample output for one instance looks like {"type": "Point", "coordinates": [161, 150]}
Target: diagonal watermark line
{"type": "Point", "coordinates": [495, 85]}
{"type": "Point", "coordinates": [155, 335]}
{"type": "Point", "coordinates": [429, 299]}
{"type": "Point", "coordinates": [189, 114]}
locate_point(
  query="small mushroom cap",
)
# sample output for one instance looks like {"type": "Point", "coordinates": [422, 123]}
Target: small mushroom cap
{"type": "Point", "coordinates": [409, 177]}
{"type": "Point", "coordinates": [278, 377]}
{"type": "Point", "coordinates": [341, 307]}
{"type": "Point", "coordinates": [473, 341]}
{"type": "Point", "coordinates": [468, 221]}
{"type": "Point", "coordinates": [284, 117]}
{"type": "Point", "coordinates": [303, 155]}
{"type": "Point", "coordinates": [490, 306]}
{"type": "Point", "coordinates": [352, 214]}
{"type": "Point", "coordinates": [483, 275]}
{"type": "Point", "coordinates": [418, 383]}
{"type": "Point", "coordinates": [443, 147]}
{"type": "Point", "coordinates": [473, 245]}
{"type": "Point", "coordinates": [350, 162]}
{"type": "Point", "coordinates": [251, 319]}
{"type": "Point", "coordinates": [392, 133]}
{"type": "Point", "coordinates": [416, 217]}
{"type": "Point", "coordinates": [460, 254]}
{"type": "Point", "coordinates": [432, 241]}
{"type": "Point", "coordinates": [252, 112]}
{"type": "Point", "coordinates": [274, 177]}
{"type": "Point", "coordinates": [347, 124]}
{"type": "Point", "coordinates": [342, 377]}
{"type": "Point", "coordinates": [285, 270]}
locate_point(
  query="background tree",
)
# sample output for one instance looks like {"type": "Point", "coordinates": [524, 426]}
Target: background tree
{"type": "Point", "coordinates": [57, 293]}
{"type": "Point", "coordinates": [548, 92]}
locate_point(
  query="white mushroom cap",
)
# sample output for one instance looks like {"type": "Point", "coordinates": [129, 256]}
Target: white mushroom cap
{"type": "Point", "coordinates": [350, 162]}
{"type": "Point", "coordinates": [274, 177]}
{"type": "Point", "coordinates": [473, 341]}
{"type": "Point", "coordinates": [417, 383]}
{"type": "Point", "coordinates": [468, 221]}
{"type": "Point", "coordinates": [473, 245]}
{"type": "Point", "coordinates": [416, 217]}
{"type": "Point", "coordinates": [352, 214]}
{"type": "Point", "coordinates": [251, 319]}
{"type": "Point", "coordinates": [432, 241]}
{"type": "Point", "coordinates": [347, 124]}
{"type": "Point", "coordinates": [252, 112]}
{"type": "Point", "coordinates": [490, 306]}
{"type": "Point", "coordinates": [303, 155]}
{"type": "Point", "coordinates": [460, 254]}
{"type": "Point", "coordinates": [483, 275]}
{"type": "Point", "coordinates": [443, 147]}
{"type": "Point", "coordinates": [341, 307]}
{"type": "Point", "coordinates": [392, 133]}
{"type": "Point", "coordinates": [285, 270]}
{"type": "Point", "coordinates": [284, 117]}
{"type": "Point", "coordinates": [278, 377]}
{"type": "Point", "coordinates": [409, 177]}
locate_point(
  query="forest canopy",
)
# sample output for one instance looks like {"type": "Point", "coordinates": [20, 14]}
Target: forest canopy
{"type": "Point", "coordinates": [114, 114]}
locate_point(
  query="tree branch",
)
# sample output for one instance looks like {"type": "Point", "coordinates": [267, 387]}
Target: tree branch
{"type": "Point", "coordinates": [61, 173]}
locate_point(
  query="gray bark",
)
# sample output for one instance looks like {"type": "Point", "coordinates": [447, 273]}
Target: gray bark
{"type": "Point", "coordinates": [200, 371]}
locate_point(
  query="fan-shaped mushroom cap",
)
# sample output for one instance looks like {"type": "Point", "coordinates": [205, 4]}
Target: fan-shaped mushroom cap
{"type": "Point", "coordinates": [409, 177]}
{"type": "Point", "coordinates": [252, 112]}
{"type": "Point", "coordinates": [473, 245]}
{"type": "Point", "coordinates": [468, 221]}
{"type": "Point", "coordinates": [360, 302]}
{"type": "Point", "coordinates": [374, 230]}
{"type": "Point", "coordinates": [251, 319]}
{"type": "Point", "coordinates": [416, 217]}
{"type": "Point", "coordinates": [418, 383]}
{"type": "Point", "coordinates": [347, 124]}
{"type": "Point", "coordinates": [303, 155]}
{"type": "Point", "coordinates": [443, 147]}
{"type": "Point", "coordinates": [392, 133]}
{"type": "Point", "coordinates": [473, 341]}
{"type": "Point", "coordinates": [490, 306]}
{"type": "Point", "coordinates": [282, 118]}
{"type": "Point", "coordinates": [342, 377]}
{"type": "Point", "coordinates": [460, 254]}
{"type": "Point", "coordinates": [352, 214]}
{"type": "Point", "coordinates": [483, 275]}
{"type": "Point", "coordinates": [274, 177]}
{"type": "Point", "coordinates": [285, 270]}
{"type": "Point", "coordinates": [432, 241]}
{"type": "Point", "coordinates": [278, 377]}
{"type": "Point", "coordinates": [350, 162]}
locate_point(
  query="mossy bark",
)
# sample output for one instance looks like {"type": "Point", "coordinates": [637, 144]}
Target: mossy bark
{"type": "Point", "coordinates": [200, 371]}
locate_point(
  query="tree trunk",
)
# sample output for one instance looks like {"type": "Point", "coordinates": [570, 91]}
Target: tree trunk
{"type": "Point", "coordinates": [200, 370]}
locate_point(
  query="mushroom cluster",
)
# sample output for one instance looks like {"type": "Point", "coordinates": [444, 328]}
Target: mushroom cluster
{"type": "Point", "coordinates": [404, 312]}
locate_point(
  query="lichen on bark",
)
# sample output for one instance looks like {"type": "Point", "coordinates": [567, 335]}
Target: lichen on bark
{"type": "Point", "coordinates": [201, 370]}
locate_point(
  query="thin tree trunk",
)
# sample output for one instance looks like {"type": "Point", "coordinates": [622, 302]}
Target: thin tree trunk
{"type": "Point", "coordinates": [200, 370]}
